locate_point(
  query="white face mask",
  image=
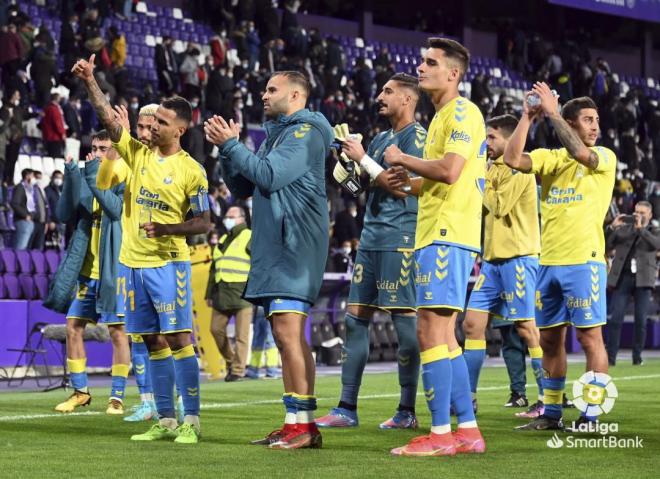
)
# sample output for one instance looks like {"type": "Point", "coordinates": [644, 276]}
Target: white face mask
{"type": "Point", "coordinates": [229, 223]}
{"type": "Point", "coordinates": [347, 250]}
{"type": "Point", "coordinates": [58, 181]}
{"type": "Point", "coordinates": [34, 181]}
{"type": "Point", "coordinates": [135, 106]}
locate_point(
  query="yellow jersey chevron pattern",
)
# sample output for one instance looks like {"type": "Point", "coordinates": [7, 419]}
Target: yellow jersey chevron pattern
{"type": "Point", "coordinates": [302, 130]}
{"type": "Point", "coordinates": [429, 394]}
{"type": "Point", "coordinates": [193, 391]}
{"type": "Point", "coordinates": [520, 281]}
{"type": "Point", "coordinates": [406, 265]}
{"type": "Point", "coordinates": [442, 262]}
{"type": "Point", "coordinates": [595, 283]}
{"type": "Point", "coordinates": [181, 289]}
{"type": "Point", "coordinates": [140, 369]}
{"type": "Point", "coordinates": [420, 137]}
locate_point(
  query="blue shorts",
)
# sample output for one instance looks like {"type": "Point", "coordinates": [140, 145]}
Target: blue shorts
{"type": "Point", "coordinates": [122, 275]}
{"type": "Point", "coordinates": [84, 304]}
{"type": "Point", "coordinates": [507, 289]}
{"type": "Point", "coordinates": [285, 305]}
{"type": "Point", "coordinates": [159, 300]}
{"type": "Point", "coordinates": [571, 295]}
{"type": "Point", "coordinates": [442, 277]}
{"type": "Point", "coordinates": [383, 279]}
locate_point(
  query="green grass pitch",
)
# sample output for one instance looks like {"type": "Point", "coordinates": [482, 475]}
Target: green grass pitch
{"type": "Point", "coordinates": [37, 443]}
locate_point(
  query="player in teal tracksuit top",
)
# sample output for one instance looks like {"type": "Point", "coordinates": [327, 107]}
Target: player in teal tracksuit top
{"type": "Point", "coordinates": [289, 234]}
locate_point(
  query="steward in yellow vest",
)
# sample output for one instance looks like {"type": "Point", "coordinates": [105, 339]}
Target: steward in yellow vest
{"type": "Point", "coordinates": [229, 275]}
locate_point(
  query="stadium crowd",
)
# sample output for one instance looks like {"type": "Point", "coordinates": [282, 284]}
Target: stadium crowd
{"type": "Point", "coordinates": [250, 44]}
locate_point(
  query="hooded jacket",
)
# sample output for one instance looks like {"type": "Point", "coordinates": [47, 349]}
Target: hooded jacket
{"type": "Point", "coordinates": [286, 178]}
{"type": "Point", "coordinates": [77, 196]}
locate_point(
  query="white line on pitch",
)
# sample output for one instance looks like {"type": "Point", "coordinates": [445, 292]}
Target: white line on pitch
{"type": "Point", "coordinates": [229, 405]}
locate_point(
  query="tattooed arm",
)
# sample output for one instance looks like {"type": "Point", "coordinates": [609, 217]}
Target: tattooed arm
{"type": "Point", "coordinates": [572, 142]}
{"type": "Point", "coordinates": [84, 69]}
{"type": "Point", "coordinates": [567, 135]}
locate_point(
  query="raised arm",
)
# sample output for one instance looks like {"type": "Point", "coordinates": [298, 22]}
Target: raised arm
{"type": "Point", "coordinates": [111, 203]}
{"type": "Point", "coordinates": [566, 134]}
{"type": "Point", "coordinates": [70, 198]}
{"type": "Point", "coordinates": [84, 69]}
{"type": "Point", "coordinates": [514, 153]}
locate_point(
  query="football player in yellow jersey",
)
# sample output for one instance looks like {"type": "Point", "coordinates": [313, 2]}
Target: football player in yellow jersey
{"type": "Point", "coordinates": [576, 190]}
{"type": "Point", "coordinates": [447, 240]}
{"type": "Point", "coordinates": [111, 173]}
{"type": "Point", "coordinates": [506, 285]}
{"type": "Point", "coordinates": [92, 257]}
{"type": "Point", "coordinates": [165, 183]}
{"type": "Point", "coordinates": [118, 171]}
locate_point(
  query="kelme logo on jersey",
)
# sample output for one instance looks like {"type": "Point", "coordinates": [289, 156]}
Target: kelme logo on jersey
{"type": "Point", "coordinates": [151, 200]}
{"type": "Point", "coordinates": [459, 136]}
{"type": "Point", "coordinates": [562, 196]}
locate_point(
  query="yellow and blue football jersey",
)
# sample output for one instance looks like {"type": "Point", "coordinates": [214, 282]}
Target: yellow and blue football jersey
{"type": "Point", "coordinates": [90, 267]}
{"type": "Point", "coordinates": [161, 190]}
{"type": "Point", "coordinates": [511, 215]}
{"type": "Point", "coordinates": [574, 202]}
{"type": "Point", "coordinates": [451, 214]}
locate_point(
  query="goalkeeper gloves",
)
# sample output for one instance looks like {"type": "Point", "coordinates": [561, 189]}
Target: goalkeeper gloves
{"type": "Point", "coordinates": [347, 174]}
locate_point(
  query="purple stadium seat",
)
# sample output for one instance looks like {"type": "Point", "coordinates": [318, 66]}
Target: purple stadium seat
{"type": "Point", "coordinates": [9, 260]}
{"type": "Point", "coordinates": [3, 292]}
{"type": "Point", "coordinates": [12, 288]}
{"type": "Point", "coordinates": [52, 258]}
{"type": "Point", "coordinates": [24, 261]}
{"type": "Point", "coordinates": [27, 286]}
{"type": "Point", "coordinates": [41, 284]}
{"type": "Point", "coordinates": [39, 261]}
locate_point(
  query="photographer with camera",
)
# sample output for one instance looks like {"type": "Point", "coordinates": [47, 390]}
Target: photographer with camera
{"type": "Point", "coordinates": [633, 273]}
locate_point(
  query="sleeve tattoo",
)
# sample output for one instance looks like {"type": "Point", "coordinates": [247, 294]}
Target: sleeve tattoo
{"type": "Point", "coordinates": [572, 142]}
{"type": "Point", "coordinates": [104, 111]}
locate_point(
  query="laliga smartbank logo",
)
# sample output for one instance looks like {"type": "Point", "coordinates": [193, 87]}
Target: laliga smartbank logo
{"type": "Point", "coordinates": [594, 394]}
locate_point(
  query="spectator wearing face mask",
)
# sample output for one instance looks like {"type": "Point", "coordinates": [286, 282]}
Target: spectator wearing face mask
{"type": "Point", "coordinates": [23, 202]}
{"type": "Point", "coordinates": [41, 213]}
{"type": "Point", "coordinates": [12, 115]}
{"type": "Point", "coordinates": [71, 111]}
{"type": "Point", "coordinates": [196, 111]}
{"type": "Point", "coordinates": [227, 280]}
{"type": "Point", "coordinates": [53, 192]}
{"type": "Point", "coordinates": [52, 127]}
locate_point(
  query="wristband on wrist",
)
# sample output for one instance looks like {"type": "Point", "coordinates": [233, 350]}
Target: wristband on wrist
{"type": "Point", "coordinates": [372, 168]}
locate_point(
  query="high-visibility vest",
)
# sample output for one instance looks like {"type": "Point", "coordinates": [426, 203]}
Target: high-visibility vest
{"type": "Point", "coordinates": [233, 265]}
